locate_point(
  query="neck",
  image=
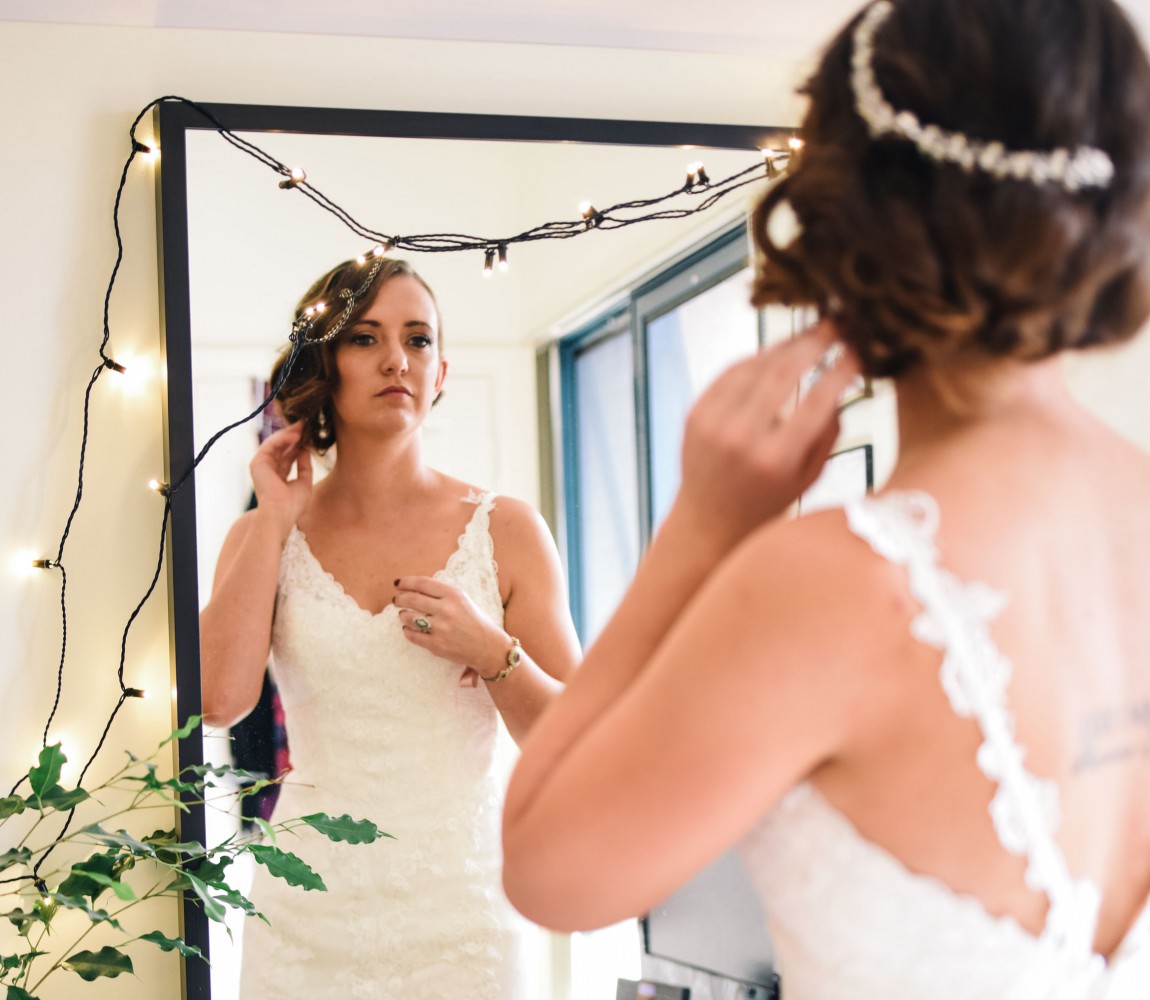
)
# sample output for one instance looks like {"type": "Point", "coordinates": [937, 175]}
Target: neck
{"type": "Point", "coordinates": [934, 406]}
{"type": "Point", "coordinates": [372, 474]}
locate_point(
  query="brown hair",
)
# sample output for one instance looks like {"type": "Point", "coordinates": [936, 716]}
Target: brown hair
{"type": "Point", "coordinates": [923, 261]}
{"type": "Point", "coordinates": [307, 392]}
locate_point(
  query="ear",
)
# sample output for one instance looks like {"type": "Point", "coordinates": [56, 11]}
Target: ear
{"type": "Point", "coordinates": [442, 376]}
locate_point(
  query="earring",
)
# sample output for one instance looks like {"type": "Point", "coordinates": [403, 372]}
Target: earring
{"type": "Point", "coordinates": [322, 431]}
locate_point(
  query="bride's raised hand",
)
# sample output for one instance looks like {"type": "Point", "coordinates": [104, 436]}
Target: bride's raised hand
{"type": "Point", "coordinates": [748, 449]}
{"type": "Point", "coordinates": [278, 493]}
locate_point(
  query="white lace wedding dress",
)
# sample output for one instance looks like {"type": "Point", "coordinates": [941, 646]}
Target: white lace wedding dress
{"type": "Point", "coordinates": [849, 921]}
{"type": "Point", "coordinates": [381, 729]}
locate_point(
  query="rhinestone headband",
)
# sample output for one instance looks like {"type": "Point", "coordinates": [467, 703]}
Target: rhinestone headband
{"type": "Point", "coordinates": [1082, 167]}
{"type": "Point", "coordinates": [301, 328]}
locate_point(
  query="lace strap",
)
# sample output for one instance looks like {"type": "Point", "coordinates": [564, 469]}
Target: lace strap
{"type": "Point", "coordinates": [955, 618]}
{"type": "Point", "coordinates": [473, 562]}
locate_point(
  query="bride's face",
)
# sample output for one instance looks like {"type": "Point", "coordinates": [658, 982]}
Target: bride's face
{"type": "Point", "coordinates": [389, 365]}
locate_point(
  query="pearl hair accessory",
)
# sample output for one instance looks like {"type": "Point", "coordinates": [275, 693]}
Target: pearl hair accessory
{"type": "Point", "coordinates": [1082, 167]}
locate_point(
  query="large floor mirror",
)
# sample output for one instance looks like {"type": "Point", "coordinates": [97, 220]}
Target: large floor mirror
{"type": "Point", "coordinates": [238, 249]}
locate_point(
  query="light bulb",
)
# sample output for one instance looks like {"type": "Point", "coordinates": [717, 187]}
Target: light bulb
{"type": "Point", "coordinates": [135, 373]}
{"type": "Point", "coordinates": [26, 563]}
{"type": "Point", "coordinates": [297, 176]}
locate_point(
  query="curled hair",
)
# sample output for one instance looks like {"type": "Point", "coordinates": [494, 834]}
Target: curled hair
{"type": "Point", "coordinates": [921, 261]}
{"type": "Point", "coordinates": [310, 385]}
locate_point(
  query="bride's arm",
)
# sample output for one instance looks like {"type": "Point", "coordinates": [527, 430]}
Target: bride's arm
{"type": "Point", "coordinates": [596, 774]}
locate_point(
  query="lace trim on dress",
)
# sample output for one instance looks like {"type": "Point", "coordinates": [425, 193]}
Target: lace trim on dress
{"type": "Point", "coordinates": [955, 618]}
{"type": "Point", "coordinates": [474, 556]}
{"type": "Point", "coordinates": [472, 561]}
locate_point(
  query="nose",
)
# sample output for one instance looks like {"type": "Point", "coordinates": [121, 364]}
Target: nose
{"type": "Point", "coordinates": [393, 358]}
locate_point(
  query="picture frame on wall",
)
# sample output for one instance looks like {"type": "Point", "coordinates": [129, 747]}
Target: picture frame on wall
{"type": "Point", "coordinates": [847, 475]}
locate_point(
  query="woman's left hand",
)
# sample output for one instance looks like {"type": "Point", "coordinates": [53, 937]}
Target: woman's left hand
{"type": "Point", "coordinates": [442, 619]}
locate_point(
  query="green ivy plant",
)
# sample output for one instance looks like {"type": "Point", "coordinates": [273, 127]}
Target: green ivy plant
{"type": "Point", "coordinates": [33, 893]}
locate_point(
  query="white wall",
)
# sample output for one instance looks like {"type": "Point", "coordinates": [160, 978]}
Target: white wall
{"type": "Point", "coordinates": [67, 97]}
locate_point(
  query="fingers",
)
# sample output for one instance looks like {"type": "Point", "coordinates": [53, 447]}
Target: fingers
{"type": "Point", "coordinates": [820, 405]}
{"type": "Point", "coordinates": [764, 384]}
{"type": "Point", "coordinates": [421, 586]}
{"type": "Point", "coordinates": [421, 622]}
{"type": "Point", "coordinates": [304, 467]}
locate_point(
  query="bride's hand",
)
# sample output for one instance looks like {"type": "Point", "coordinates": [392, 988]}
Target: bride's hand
{"type": "Point", "coordinates": [748, 449]}
{"type": "Point", "coordinates": [278, 493]}
{"type": "Point", "coordinates": [442, 619]}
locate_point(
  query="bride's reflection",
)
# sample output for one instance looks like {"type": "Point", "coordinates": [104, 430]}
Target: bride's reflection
{"type": "Point", "coordinates": [404, 610]}
{"type": "Point", "coordinates": [252, 248]}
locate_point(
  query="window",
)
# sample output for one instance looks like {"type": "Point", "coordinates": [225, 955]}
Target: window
{"type": "Point", "coordinates": [627, 380]}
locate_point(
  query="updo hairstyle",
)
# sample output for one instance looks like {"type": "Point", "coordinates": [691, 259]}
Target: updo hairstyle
{"type": "Point", "coordinates": [925, 262]}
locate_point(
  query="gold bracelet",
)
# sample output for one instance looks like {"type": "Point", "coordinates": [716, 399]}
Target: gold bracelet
{"type": "Point", "coordinates": [514, 658]}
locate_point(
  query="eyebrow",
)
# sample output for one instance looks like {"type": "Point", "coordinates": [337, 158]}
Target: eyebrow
{"type": "Point", "coordinates": [408, 325]}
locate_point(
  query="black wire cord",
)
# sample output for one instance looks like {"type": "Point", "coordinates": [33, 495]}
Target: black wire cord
{"type": "Point", "coordinates": [608, 219]}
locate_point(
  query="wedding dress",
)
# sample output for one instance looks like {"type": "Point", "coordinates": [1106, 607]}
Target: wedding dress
{"type": "Point", "coordinates": [381, 729]}
{"type": "Point", "coordinates": [849, 920]}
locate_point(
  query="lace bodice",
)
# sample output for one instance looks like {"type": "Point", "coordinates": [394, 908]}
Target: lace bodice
{"type": "Point", "coordinates": [382, 729]}
{"type": "Point", "coordinates": [848, 920]}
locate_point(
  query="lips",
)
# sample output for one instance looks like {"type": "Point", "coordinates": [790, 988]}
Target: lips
{"type": "Point", "coordinates": [393, 390]}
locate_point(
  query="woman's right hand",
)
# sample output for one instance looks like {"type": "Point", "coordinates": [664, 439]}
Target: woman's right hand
{"type": "Point", "coordinates": [748, 449]}
{"type": "Point", "coordinates": [278, 494]}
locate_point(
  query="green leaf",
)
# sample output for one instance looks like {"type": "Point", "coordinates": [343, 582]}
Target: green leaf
{"type": "Point", "coordinates": [15, 993]}
{"type": "Point", "coordinates": [352, 831]}
{"type": "Point", "coordinates": [240, 902]}
{"type": "Point", "coordinates": [120, 838]}
{"type": "Point", "coordinates": [80, 903]}
{"type": "Point", "coordinates": [23, 920]}
{"type": "Point", "coordinates": [222, 771]}
{"type": "Point", "coordinates": [212, 872]}
{"type": "Point", "coordinates": [121, 889]}
{"type": "Point", "coordinates": [15, 856]}
{"type": "Point", "coordinates": [212, 906]}
{"type": "Point", "coordinates": [266, 828]}
{"type": "Point", "coordinates": [79, 882]}
{"type": "Point", "coordinates": [89, 965]}
{"type": "Point", "coordinates": [173, 944]}
{"type": "Point", "coordinates": [12, 805]}
{"type": "Point", "coordinates": [47, 773]}
{"type": "Point", "coordinates": [184, 731]}
{"type": "Point", "coordinates": [188, 849]}
{"type": "Point", "coordinates": [149, 780]}
{"type": "Point", "coordinates": [61, 799]}
{"type": "Point", "coordinates": [287, 866]}
{"type": "Point", "coordinates": [21, 961]}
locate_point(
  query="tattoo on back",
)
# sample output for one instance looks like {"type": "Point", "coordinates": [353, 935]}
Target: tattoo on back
{"type": "Point", "coordinates": [1114, 735]}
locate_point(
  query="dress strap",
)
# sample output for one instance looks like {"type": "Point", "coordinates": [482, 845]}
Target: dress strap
{"type": "Point", "coordinates": [955, 618]}
{"type": "Point", "coordinates": [473, 562]}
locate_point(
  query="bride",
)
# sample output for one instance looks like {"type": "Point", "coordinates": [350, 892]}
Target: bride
{"type": "Point", "coordinates": [403, 611]}
{"type": "Point", "coordinates": [925, 719]}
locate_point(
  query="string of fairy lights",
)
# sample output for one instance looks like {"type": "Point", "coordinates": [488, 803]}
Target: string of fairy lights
{"type": "Point", "coordinates": [698, 193]}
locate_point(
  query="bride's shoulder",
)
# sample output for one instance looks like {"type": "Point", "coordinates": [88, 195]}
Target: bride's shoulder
{"type": "Point", "coordinates": [827, 576]}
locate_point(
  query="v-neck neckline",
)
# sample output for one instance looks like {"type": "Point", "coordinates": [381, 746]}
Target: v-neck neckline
{"type": "Point", "coordinates": [439, 574]}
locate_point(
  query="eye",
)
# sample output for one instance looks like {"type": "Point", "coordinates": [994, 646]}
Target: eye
{"type": "Point", "coordinates": [420, 340]}
{"type": "Point", "coordinates": [361, 338]}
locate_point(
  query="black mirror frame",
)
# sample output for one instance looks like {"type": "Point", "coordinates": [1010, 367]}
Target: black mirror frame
{"type": "Point", "coordinates": [172, 122]}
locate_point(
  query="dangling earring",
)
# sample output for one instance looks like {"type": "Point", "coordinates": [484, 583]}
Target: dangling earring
{"type": "Point", "coordinates": [322, 431]}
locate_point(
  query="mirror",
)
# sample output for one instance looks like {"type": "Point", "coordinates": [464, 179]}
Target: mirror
{"type": "Point", "coordinates": [238, 251]}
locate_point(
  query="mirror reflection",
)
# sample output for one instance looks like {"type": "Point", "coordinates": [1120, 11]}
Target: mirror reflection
{"type": "Point", "coordinates": [393, 697]}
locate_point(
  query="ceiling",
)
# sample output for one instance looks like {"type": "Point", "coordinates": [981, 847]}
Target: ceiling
{"type": "Point", "coordinates": [782, 27]}
{"type": "Point", "coordinates": [768, 27]}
